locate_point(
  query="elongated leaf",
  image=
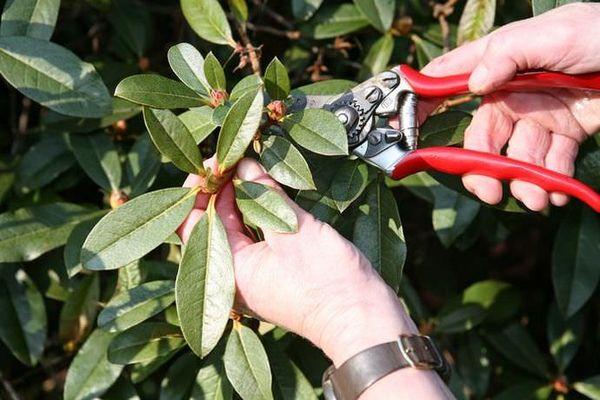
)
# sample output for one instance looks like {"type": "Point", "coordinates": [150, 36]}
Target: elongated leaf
{"type": "Point", "coordinates": [378, 57]}
{"type": "Point", "coordinates": [72, 252]}
{"type": "Point", "coordinates": [180, 378]}
{"type": "Point", "coordinates": [474, 364]}
{"type": "Point", "coordinates": [240, 125]}
{"type": "Point", "coordinates": [145, 342]}
{"type": "Point", "coordinates": [90, 373]}
{"type": "Point", "coordinates": [247, 365]}
{"type": "Point", "coordinates": [173, 139]}
{"type": "Point", "coordinates": [445, 129]}
{"type": "Point", "coordinates": [188, 64]}
{"type": "Point", "coordinates": [452, 215]}
{"type": "Point", "coordinates": [208, 20]}
{"type": "Point", "coordinates": [336, 21]}
{"type": "Point", "coordinates": [199, 122]}
{"type": "Point", "coordinates": [123, 389]}
{"type": "Point", "coordinates": [27, 233]}
{"type": "Point", "coordinates": [277, 81]}
{"type": "Point", "coordinates": [589, 387]}
{"type": "Point", "coordinates": [98, 157]}
{"type": "Point", "coordinates": [158, 92]}
{"type": "Point", "coordinates": [250, 83]}
{"type": "Point", "coordinates": [133, 24]}
{"type": "Point", "coordinates": [215, 76]}
{"type": "Point", "coordinates": [476, 20]}
{"type": "Point", "coordinates": [33, 18]}
{"type": "Point", "coordinates": [575, 256]}
{"type": "Point", "coordinates": [318, 131]}
{"type": "Point", "coordinates": [79, 311]}
{"type": "Point", "coordinates": [564, 336]}
{"type": "Point", "coordinates": [426, 51]}
{"type": "Point", "coordinates": [264, 207]}
{"type": "Point", "coordinates": [54, 77]}
{"type": "Point", "coordinates": [500, 299]}
{"type": "Point", "coordinates": [239, 8]}
{"type": "Point", "coordinates": [530, 390]}
{"type": "Point", "coordinates": [515, 343]}
{"type": "Point", "coordinates": [304, 9]}
{"type": "Point", "coordinates": [136, 228]}
{"type": "Point", "coordinates": [380, 13]}
{"type": "Point", "coordinates": [461, 318]}
{"type": "Point", "coordinates": [44, 162]}
{"type": "Point", "coordinates": [129, 276]}
{"type": "Point", "coordinates": [289, 381]}
{"type": "Point", "coordinates": [349, 182]}
{"type": "Point", "coordinates": [23, 316]}
{"type": "Point", "coordinates": [541, 6]}
{"type": "Point", "coordinates": [135, 305]}
{"type": "Point", "coordinates": [205, 287]}
{"type": "Point", "coordinates": [378, 233]}
{"type": "Point", "coordinates": [142, 165]}
{"type": "Point", "coordinates": [211, 381]}
{"type": "Point", "coordinates": [141, 371]}
{"type": "Point", "coordinates": [285, 163]}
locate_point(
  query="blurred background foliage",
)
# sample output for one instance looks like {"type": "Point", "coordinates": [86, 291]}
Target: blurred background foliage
{"type": "Point", "coordinates": [509, 295]}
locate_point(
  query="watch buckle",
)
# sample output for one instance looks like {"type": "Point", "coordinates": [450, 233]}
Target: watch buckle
{"type": "Point", "coordinates": [408, 348]}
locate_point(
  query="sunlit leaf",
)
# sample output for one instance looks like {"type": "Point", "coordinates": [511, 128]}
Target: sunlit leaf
{"type": "Point", "coordinates": [318, 131]}
{"type": "Point", "coordinates": [286, 164]}
{"type": "Point", "coordinates": [188, 64]}
{"type": "Point", "coordinates": [277, 81]}
{"type": "Point", "coordinates": [208, 20]}
{"type": "Point", "coordinates": [476, 20]}
{"type": "Point", "coordinates": [145, 342]}
{"type": "Point", "coordinates": [99, 158]}
{"type": "Point", "coordinates": [158, 92]}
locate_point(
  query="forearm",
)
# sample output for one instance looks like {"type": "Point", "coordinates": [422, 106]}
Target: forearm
{"type": "Point", "coordinates": [378, 317]}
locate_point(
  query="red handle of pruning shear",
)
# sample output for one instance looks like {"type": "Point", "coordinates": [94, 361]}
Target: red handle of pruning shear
{"type": "Point", "coordinates": [456, 161]}
{"type": "Point", "coordinates": [428, 86]}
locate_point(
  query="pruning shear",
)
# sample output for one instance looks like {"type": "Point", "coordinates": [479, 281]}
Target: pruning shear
{"type": "Point", "coordinates": [394, 151]}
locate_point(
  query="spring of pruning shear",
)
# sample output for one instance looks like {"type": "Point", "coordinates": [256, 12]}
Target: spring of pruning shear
{"type": "Point", "coordinates": [394, 151]}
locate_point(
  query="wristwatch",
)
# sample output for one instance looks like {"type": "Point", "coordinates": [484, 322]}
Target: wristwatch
{"type": "Point", "coordinates": [361, 371]}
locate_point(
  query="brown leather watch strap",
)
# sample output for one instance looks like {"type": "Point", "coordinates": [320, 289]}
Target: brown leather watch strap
{"type": "Point", "coordinates": [367, 367]}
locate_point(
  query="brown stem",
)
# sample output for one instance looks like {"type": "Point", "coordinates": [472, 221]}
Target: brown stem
{"type": "Point", "coordinates": [453, 102]}
{"type": "Point", "coordinates": [442, 12]}
{"type": "Point", "coordinates": [274, 15]}
{"type": "Point", "coordinates": [250, 49]}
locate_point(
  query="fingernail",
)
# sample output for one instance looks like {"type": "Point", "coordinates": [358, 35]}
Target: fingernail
{"type": "Point", "coordinates": [478, 81]}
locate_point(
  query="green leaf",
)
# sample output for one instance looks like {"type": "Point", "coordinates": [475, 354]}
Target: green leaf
{"type": "Point", "coordinates": [240, 125]}
{"type": "Point", "coordinates": [211, 381]}
{"type": "Point", "coordinates": [380, 13]}
{"type": "Point", "coordinates": [317, 130]}
{"type": "Point", "coordinates": [135, 305]}
{"type": "Point", "coordinates": [289, 381]}
{"type": "Point", "coordinates": [285, 163]}
{"type": "Point", "coordinates": [173, 139]}
{"type": "Point", "coordinates": [44, 162]}
{"type": "Point", "coordinates": [589, 387]}
{"type": "Point", "coordinates": [564, 336]}
{"type": "Point", "coordinates": [141, 371]}
{"type": "Point", "coordinates": [136, 228]}
{"type": "Point", "coordinates": [180, 378]}
{"type": "Point", "coordinates": [239, 8]}
{"type": "Point", "coordinates": [145, 342]}
{"type": "Point", "coordinates": [335, 21]}
{"type": "Point", "coordinates": [33, 18]}
{"type": "Point", "coordinates": [205, 286]}
{"type": "Point", "coordinates": [250, 83]}
{"type": "Point", "coordinates": [459, 318]}
{"type": "Point", "coordinates": [530, 390]}
{"type": "Point", "coordinates": [79, 311]}
{"type": "Point", "coordinates": [90, 373]}
{"type": "Point", "coordinates": [247, 365]}
{"type": "Point", "coordinates": [474, 364]}
{"type": "Point", "coordinates": [215, 76]}
{"type": "Point", "coordinates": [349, 183]}
{"type": "Point", "coordinates": [99, 158]}
{"type": "Point", "coordinates": [219, 113]}
{"type": "Point", "coordinates": [426, 51]}
{"type": "Point", "coordinates": [142, 165]}
{"type": "Point", "coordinates": [158, 92]}
{"type": "Point", "coordinates": [264, 207]}
{"type": "Point", "coordinates": [541, 6]}
{"type": "Point", "coordinates": [452, 215]}
{"type": "Point", "coordinates": [378, 57]}
{"type": "Point", "coordinates": [27, 233]}
{"type": "Point", "coordinates": [23, 317]}
{"type": "Point", "coordinates": [324, 88]}
{"type": "Point", "coordinates": [199, 122]}
{"type": "Point", "coordinates": [122, 389]}
{"type": "Point", "coordinates": [476, 20]}
{"type": "Point", "coordinates": [304, 9]}
{"type": "Point", "coordinates": [208, 20]}
{"type": "Point", "coordinates": [129, 276]}
{"type": "Point", "coordinates": [378, 233]}
{"type": "Point", "coordinates": [188, 64]}
{"type": "Point", "coordinates": [133, 24]}
{"type": "Point", "coordinates": [445, 129]}
{"type": "Point", "coordinates": [54, 77]}
{"type": "Point", "coordinates": [575, 256]}
{"type": "Point", "coordinates": [72, 251]}
{"type": "Point", "coordinates": [515, 343]}
{"type": "Point", "coordinates": [500, 299]}
{"type": "Point", "coordinates": [277, 81]}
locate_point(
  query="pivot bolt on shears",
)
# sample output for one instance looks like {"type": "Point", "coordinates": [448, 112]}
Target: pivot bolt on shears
{"type": "Point", "coordinates": [394, 151]}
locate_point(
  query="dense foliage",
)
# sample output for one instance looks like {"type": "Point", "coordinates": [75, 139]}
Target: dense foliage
{"type": "Point", "coordinates": [98, 297]}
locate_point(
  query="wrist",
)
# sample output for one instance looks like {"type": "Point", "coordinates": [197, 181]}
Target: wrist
{"type": "Point", "coordinates": [363, 317]}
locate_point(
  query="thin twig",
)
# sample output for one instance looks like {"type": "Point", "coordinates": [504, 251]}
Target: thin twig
{"type": "Point", "coordinates": [12, 394]}
{"type": "Point", "coordinates": [442, 12]}
{"type": "Point", "coordinates": [452, 103]}
{"type": "Point", "coordinates": [274, 15]}
{"type": "Point", "coordinates": [250, 49]}
{"type": "Point", "coordinates": [293, 35]}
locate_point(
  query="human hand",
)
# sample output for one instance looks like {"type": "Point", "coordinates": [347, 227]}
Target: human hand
{"type": "Point", "coordinates": [544, 128]}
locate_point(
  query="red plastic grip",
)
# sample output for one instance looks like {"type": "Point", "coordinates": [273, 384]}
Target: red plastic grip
{"type": "Point", "coordinates": [457, 161]}
{"type": "Point", "coordinates": [428, 86]}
